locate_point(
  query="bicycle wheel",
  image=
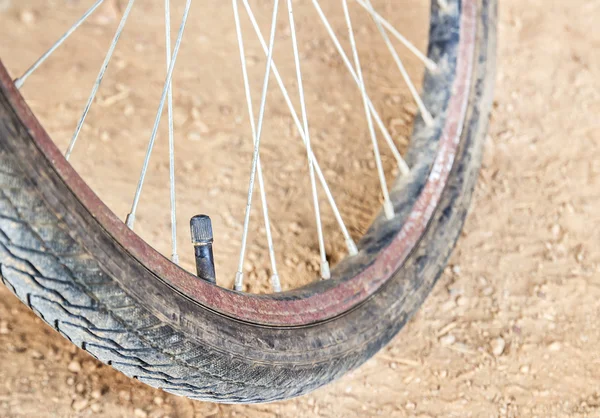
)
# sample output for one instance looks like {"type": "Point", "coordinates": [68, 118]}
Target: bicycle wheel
{"type": "Point", "coordinates": [84, 272]}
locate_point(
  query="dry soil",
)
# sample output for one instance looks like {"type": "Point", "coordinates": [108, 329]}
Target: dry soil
{"type": "Point", "coordinates": [510, 330]}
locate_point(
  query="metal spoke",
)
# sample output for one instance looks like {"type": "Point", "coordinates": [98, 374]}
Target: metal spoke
{"type": "Point", "coordinates": [172, 194]}
{"type": "Point", "coordinates": [352, 250]}
{"type": "Point", "coordinates": [325, 273]}
{"type": "Point", "coordinates": [239, 277]}
{"type": "Point", "coordinates": [427, 61]}
{"type": "Point", "coordinates": [256, 116]}
{"type": "Point", "coordinates": [404, 169]}
{"type": "Point", "coordinates": [387, 203]}
{"type": "Point", "coordinates": [413, 90]}
{"type": "Point", "coordinates": [275, 282]}
{"type": "Point", "coordinates": [100, 77]}
{"type": "Point", "coordinates": [21, 80]}
{"type": "Point", "coordinates": [131, 217]}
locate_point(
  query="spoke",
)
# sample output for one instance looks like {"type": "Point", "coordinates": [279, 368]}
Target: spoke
{"type": "Point", "coordinates": [413, 90]}
{"type": "Point", "coordinates": [404, 169]}
{"type": "Point", "coordinates": [239, 277]}
{"type": "Point", "coordinates": [352, 250]}
{"type": "Point", "coordinates": [21, 80]}
{"type": "Point", "coordinates": [131, 217]}
{"type": "Point", "coordinates": [325, 273]}
{"type": "Point", "coordinates": [387, 205]}
{"type": "Point", "coordinates": [174, 255]}
{"type": "Point", "coordinates": [99, 79]}
{"type": "Point", "coordinates": [275, 282]}
{"type": "Point", "coordinates": [428, 62]}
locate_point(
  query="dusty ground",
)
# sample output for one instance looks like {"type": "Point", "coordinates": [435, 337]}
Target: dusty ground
{"type": "Point", "coordinates": [511, 328]}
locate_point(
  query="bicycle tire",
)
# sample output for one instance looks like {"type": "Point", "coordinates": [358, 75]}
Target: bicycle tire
{"type": "Point", "coordinates": [43, 261]}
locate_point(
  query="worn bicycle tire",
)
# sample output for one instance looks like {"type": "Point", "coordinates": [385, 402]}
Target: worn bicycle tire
{"type": "Point", "coordinates": [43, 261]}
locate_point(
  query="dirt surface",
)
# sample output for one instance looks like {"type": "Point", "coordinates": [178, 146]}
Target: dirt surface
{"type": "Point", "coordinates": [511, 328]}
{"type": "Point", "coordinates": [213, 145]}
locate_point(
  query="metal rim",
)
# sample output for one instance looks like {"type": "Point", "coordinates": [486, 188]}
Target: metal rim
{"type": "Point", "coordinates": [320, 301]}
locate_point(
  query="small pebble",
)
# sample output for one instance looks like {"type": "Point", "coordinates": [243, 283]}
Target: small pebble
{"type": "Point", "coordinates": [447, 340]}
{"type": "Point", "coordinates": [129, 110]}
{"type": "Point", "coordinates": [397, 123]}
{"type": "Point", "coordinates": [448, 305]}
{"type": "Point", "coordinates": [4, 328]}
{"type": "Point", "coordinates": [108, 13]}
{"type": "Point", "coordinates": [295, 227]}
{"type": "Point", "coordinates": [180, 116]}
{"type": "Point", "coordinates": [555, 346]}
{"type": "Point", "coordinates": [158, 400]}
{"type": "Point", "coordinates": [74, 366]}
{"type": "Point", "coordinates": [36, 355]}
{"type": "Point", "coordinates": [524, 369]}
{"type": "Point", "coordinates": [487, 291]}
{"type": "Point", "coordinates": [194, 136]}
{"type": "Point", "coordinates": [195, 112]}
{"type": "Point", "coordinates": [27, 17]}
{"type": "Point", "coordinates": [411, 108]}
{"type": "Point", "coordinates": [248, 265]}
{"type": "Point", "coordinates": [455, 291]}
{"type": "Point", "coordinates": [140, 413]}
{"type": "Point", "coordinates": [498, 345]}
{"type": "Point", "coordinates": [202, 127]}
{"type": "Point", "coordinates": [80, 405]}
{"type": "Point", "coordinates": [124, 396]}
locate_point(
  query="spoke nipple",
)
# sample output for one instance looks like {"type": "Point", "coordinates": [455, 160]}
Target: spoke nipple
{"type": "Point", "coordinates": [276, 283]}
{"type": "Point", "coordinates": [325, 272]}
{"type": "Point", "coordinates": [352, 250]}
{"type": "Point", "coordinates": [443, 5]}
{"type": "Point", "coordinates": [239, 281]}
{"type": "Point", "coordinates": [202, 238]}
{"type": "Point", "coordinates": [130, 220]}
{"type": "Point", "coordinates": [388, 208]}
{"type": "Point", "coordinates": [404, 168]}
{"type": "Point", "coordinates": [431, 65]}
{"type": "Point", "coordinates": [427, 118]}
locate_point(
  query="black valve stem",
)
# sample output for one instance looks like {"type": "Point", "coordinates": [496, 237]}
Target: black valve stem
{"type": "Point", "coordinates": [202, 238]}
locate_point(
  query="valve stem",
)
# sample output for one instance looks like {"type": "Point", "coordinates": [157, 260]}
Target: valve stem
{"type": "Point", "coordinates": [202, 238]}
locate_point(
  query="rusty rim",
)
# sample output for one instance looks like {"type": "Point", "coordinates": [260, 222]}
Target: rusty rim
{"type": "Point", "coordinates": [320, 301]}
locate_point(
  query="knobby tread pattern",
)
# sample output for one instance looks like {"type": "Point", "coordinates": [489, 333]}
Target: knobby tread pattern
{"type": "Point", "coordinates": [67, 287]}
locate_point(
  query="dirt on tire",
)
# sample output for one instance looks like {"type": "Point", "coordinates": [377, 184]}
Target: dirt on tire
{"type": "Point", "coordinates": [510, 330]}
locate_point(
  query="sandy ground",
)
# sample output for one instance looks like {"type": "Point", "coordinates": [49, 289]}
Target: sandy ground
{"type": "Point", "coordinates": [511, 328]}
